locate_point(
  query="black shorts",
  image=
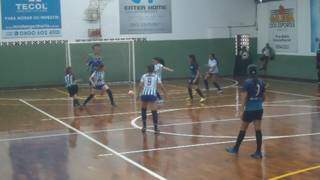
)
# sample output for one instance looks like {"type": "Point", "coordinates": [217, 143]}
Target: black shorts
{"type": "Point", "coordinates": [73, 90]}
{"type": "Point", "coordinates": [250, 116]}
{"type": "Point", "coordinates": [190, 81]}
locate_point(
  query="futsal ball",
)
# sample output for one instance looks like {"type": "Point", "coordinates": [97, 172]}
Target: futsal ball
{"type": "Point", "coordinates": [131, 93]}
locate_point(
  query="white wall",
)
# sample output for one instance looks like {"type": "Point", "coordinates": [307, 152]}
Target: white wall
{"type": "Point", "coordinates": [191, 19]}
{"type": "Point", "coordinates": [303, 24]}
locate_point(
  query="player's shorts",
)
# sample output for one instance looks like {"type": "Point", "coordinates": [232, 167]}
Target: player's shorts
{"type": "Point", "coordinates": [190, 81]}
{"type": "Point", "coordinates": [250, 116]}
{"type": "Point", "coordinates": [73, 90]}
{"type": "Point", "coordinates": [100, 87]}
{"type": "Point", "coordinates": [148, 98]}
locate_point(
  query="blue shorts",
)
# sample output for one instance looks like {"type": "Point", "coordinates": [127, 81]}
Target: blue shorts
{"type": "Point", "coordinates": [191, 79]}
{"type": "Point", "coordinates": [250, 116]}
{"type": "Point", "coordinates": [99, 87]}
{"type": "Point", "coordinates": [148, 98]}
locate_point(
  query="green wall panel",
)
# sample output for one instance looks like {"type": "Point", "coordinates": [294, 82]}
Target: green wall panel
{"type": "Point", "coordinates": [31, 65]}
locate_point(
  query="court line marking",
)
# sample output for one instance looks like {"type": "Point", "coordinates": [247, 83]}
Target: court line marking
{"type": "Point", "coordinates": [292, 94]}
{"type": "Point", "coordinates": [209, 144]}
{"type": "Point", "coordinates": [134, 121]}
{"type": "Point", "coordinates": [296, 172]}
{"type": "Point", "coordinates": [96, 142]}
{"type": "Point", "coordinates": [132, 128]}
{"type": "Point", "coordinates": [127, 113]}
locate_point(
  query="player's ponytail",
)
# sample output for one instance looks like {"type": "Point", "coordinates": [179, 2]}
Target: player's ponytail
{"type": "Point", "coordinates": [253, 73]}
{"type": "Point", "coordinates": [150, 68]}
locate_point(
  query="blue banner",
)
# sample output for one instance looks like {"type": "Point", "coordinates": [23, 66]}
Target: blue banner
{"type": "Point", "coordinates": [30, 18]}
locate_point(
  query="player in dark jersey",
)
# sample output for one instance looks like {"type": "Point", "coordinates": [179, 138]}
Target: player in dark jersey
{"type": "Point", "coordinates": [149, 84]}
{"type": "Point", "coordinates": [71, 85]}
{"type": "Point", "coordinates": [252, 96]}
{"type": "Point", "coordinates": [194, 79]}
{"type": "Point", "coordinates": [95, 59]}
{"type": "Point", "coordinates": [98, 84]}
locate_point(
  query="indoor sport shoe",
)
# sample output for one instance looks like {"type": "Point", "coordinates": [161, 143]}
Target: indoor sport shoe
{"type": "Point", "coordinates": [143, 130]}
{"type": "Point", "coordinates": [257, 155]}
{"type": "Point", "coordinates": [156, 131]}
{"type": "Point", "coordinates": [189, 99]}
{"type": "Point", "coordinates": [220, 92]}
{"type": "Point", "coordinates": [232, 150]}
{"type": "Point", "coordinates": [202, 100]}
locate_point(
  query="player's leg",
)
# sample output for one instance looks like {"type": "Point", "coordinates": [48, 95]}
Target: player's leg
{"type": "Point", "coordinates": [215, 77]}
{"type": "Point", "coordinates": [110, 95]}
{"type": "Point", "coordinates": [242, 133]}
{"type": "Point", "coordinates": [91, 96]}
{"type": "Point", "coordinates": [190, 90]}
{"type": "Point", "coordinates": [257, 126]}
{"type": "Point", "coordinates": [154, 112]}
{"type": "Point", "coordinates": [75, 95]}
{"type": "Point", "coordinates": [206, 80]}
{"type": "Point", "coordinates": [198, 90]}
{"type": "Point", "coordinates": [144, 106]}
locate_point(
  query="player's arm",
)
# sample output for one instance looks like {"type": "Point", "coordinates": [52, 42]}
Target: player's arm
{"type": "Point", "coordinates": [197, 75]}
{"type": "Point", "coordinates": [243, 99]}
{"type": "Point", "coordinates": [168, 69]}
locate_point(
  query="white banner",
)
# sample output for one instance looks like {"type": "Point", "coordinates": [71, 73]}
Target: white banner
{"type": "Point", "coordinates": [283, 26]}
{"type": "Point", "coordinates": [145, 16]}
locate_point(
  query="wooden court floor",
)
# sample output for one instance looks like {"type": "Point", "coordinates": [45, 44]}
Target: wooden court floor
{"type": "Point", "coordinates": [43, 138]}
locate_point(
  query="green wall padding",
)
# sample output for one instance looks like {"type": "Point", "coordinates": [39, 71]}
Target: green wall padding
{"type": "Point", "coordinates": [41, 65]}
{"type": "Point", "coordinates": [299, 67]}
{"type": "Point", "coordinates": [31, 65]}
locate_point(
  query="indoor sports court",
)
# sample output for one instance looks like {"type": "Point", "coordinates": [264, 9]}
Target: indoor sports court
{"type": "Point", "coordinates": [160, 89]}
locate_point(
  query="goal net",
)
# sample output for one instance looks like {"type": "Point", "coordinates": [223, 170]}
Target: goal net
{"type": "Point", "coordinates": [117, 56]}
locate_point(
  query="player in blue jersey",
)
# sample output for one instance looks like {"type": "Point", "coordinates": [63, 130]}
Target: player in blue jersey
{"type": "Point", "coordinates": [95, 59]}
{"type": "Point", "coordinates": [148, 88]}
{"type": "Point", "coordinates": [98, 84]}
{"type": "Point", "coordinates": [194, 78]}
{"type": "Point", "coordinates": [71, 85]}
{"type": "Point", "coordinates": [159, 66]}
{"type": "Point", "coordinates": [252, 96]}
{"type": "Point", "coordinates": [212, 73]}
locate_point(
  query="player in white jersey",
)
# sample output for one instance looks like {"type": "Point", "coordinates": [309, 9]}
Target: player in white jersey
{"type": "Point", "coordinates": [98, 84]}
{"type": "Point", "coordinates": [148, 90]}
{"type": "Point", "coordinates": [212, 73]}
{"type": "Point", "coordinates": [159, 66]}
{"type": "Point", "coordinates": [71, 85]}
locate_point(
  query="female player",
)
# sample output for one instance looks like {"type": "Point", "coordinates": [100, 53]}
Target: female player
{"type": "Point", "coordinates": [252, 96]}
{"type": "Point", "coordinates": [194, 78]}
{"type": "Point", "coordinates": [213, 73]}
{"type": "Point", "coordinates": [148, 85]}
{"type": "Point", "coordinates": [94, 60]}
{"type": "Point", "coordinates": [71, 85]}
{"type": "Point", "coordinates": [158, 68]}
{"type": "Point", "coordinates": [98, 84]}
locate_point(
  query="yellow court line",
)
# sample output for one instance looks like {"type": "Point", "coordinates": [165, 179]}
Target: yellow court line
{"type": "Point", "coordinates": [296, 172]}
{"type": "Point", "coordinates": [60, 91]}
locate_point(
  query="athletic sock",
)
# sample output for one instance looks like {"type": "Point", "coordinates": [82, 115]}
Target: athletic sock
{"type": "Point", "coordinates": [206, 84]}
{"type": "Point", "coordinates": [199, 92]}
{"type": "Point", "coordinates": [76, 102]}
{"type": "Point", "coordinates": [259, 140]}
{"type": "Point", "coordinates": [217, 86]}
{"type": "Point", "coordinates": [158, 96]}
{"type": "Point", "coordinates": [240, 138]}
{"type": "Point", "coordinates": [109, 92]}
{"type": "Point", "coordinates": [155, 119]}
{"type": "Point", "coordinates": [190, 92]}
{"type": "Point", "coordinates": [144, 117]}
{"type": "Point", "coordinates": [88, 99]}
